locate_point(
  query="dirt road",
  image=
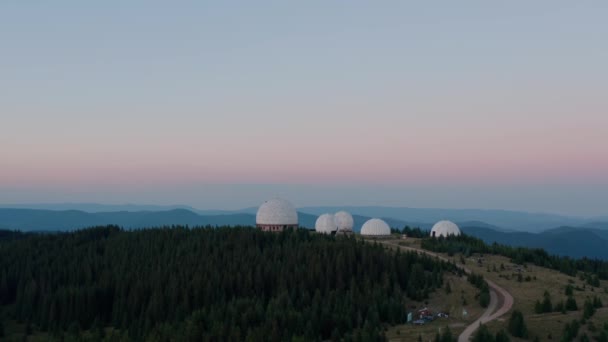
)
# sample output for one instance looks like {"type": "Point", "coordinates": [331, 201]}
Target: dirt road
{"type": "Point", "coordinates": [491, 313]}
{"type": "Point", "coordinates": [496, 292]}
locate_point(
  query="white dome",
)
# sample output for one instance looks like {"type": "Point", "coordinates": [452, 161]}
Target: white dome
{"type": "Point", "coordinates": [375, 227]}
{"type": "Point", "coordinates": [277, 211]}
{"type": "Point", "coordinates": [344, 221]}
{"type": "Point", "coordinates": [326, 224]}
{"type": "Point", "coordinates": [445, 229]}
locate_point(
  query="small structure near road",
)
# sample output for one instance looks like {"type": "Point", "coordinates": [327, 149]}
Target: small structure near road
{"type": "Point", "coordinates": [419, 322]}
{"type": "Point", "coordinates": [425, 315]}
{"type": "Point", "coordinates": [424, 312]}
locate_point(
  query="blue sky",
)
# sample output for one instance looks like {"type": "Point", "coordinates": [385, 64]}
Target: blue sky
{"type": "Point", "coordinates": [434, 104]}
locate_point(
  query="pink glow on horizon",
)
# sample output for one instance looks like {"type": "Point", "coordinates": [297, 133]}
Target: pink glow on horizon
{"type": "Point", "coordinates": [519, 166]}
{"type": "Point", "coordinates": [458, 136]}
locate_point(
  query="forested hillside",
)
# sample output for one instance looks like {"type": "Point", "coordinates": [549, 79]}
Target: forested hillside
{"type": "Point", "coordinates": [575, 242]}
{"type": "Point", "coordinates": [204, 283]}
{"type": "Point", "coordinates": [591, 268]}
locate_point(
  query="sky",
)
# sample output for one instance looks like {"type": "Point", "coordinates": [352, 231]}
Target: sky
{"type": "Point", "coordinates": [469, 104]}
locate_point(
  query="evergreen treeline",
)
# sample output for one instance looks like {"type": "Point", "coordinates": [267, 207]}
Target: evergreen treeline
{"type": "Point", "coordinates": [446, 336]}
{"type": "Point", "coordinates": [484, 335]}
{"type": "Point", "coordinates": [210, 284]}
{"type": "Point", "coordinates": [414, 232]}
{"type": "Point", "coordinates": [484, 289]}
{"type": "Point", "coordinates": [468, 245]}
{"type": "Point", "coordinates": [517, 325]}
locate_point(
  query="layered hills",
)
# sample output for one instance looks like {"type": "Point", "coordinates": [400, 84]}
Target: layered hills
{"type": "Point", "coordinates": [580, 239]}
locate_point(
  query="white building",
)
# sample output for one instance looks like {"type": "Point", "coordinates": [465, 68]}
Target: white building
{"type": "Point", "coordinates": [326, 224]}
{"type": "Point", "coordinates": [445, 229]}
{"type": "Point", "coordinates": [375, 227]}
{"type": "Point", "coordinates": [276, 215]}
{"type": "Point", "coordinates": [345, 222]}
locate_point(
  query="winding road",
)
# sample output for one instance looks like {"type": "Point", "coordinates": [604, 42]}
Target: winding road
{"type": "Point", "coordinates": [491, 312]}
{"type": "Point", "coordinates": [497, 295]}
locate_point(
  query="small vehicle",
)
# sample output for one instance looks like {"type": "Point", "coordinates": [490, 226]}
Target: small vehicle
{"type": "Point", "coordinates": [419, 322]}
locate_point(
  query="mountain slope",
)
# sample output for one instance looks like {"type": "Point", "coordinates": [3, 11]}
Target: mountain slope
{"type": "Point", "coordinates": [517, 220]}
{"type": "Point", "coordinates": [50, 220]}
{"type": "Point", "coordinates": [574, 242]}
{"type": "Point", "coordinates": [33, 219]}
{"type": "Point", "coordinates": [417, 217]}
{"type": "Point", "coordinates": [95, 207]}
{"type": "Point", "coordinates": [567, 241]}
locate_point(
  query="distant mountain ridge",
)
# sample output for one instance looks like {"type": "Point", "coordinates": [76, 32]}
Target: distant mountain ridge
{"type": "Point", "coordinates": [506, 219]}
{"type": "Point", "coordinates": [51, 220]}
{"type": "Point", "coordinates": [563, 240]}
{"type": "Point", "coordinates": [96, 207]}
{"type": "Point", "coordinates": [55, 220]}
{"type": "Point", "coordinates": [422, 217]}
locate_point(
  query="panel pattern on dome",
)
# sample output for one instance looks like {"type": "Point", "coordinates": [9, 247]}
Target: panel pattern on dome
{"type": "Point", "coordinates": [375, 227]}
{"type": "Point", "coordinates": [344, 220]}
{"type": "Point", "coordinates": [277, 212]}
{"type": "Point", "coordinates": [326, 224]}
{"type": "Point", "coordinates": [445, 229]}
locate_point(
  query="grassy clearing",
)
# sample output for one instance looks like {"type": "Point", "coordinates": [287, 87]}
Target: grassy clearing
{"type": "Point", "coordinates": [506, 274]}
{"type": "Point", "coordinates": [526, 293]}
{"type": "Point", "coordinates": [440, 301]}
{"type": "Point", "coordinates": [549, 326]}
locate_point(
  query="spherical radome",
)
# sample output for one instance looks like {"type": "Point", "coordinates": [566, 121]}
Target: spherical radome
{"type": "Point", "coordinates": [326, 224]}
{"type": "Point", "coordinates": [445, 229]}
{"type": "Point", "coordinates": [277, 211]}
{"type": "Point", "coordinates": [344, 220]}
{"type": "Point", "coordinates": [375, 227]}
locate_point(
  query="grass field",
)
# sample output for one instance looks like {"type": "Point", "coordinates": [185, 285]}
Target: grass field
{"type": "Point", "coordinates": [549, 326]}
{"type": "Point", "coordinates": [440, 301]}
{"type": "Point", "coordinates": [526, 293]}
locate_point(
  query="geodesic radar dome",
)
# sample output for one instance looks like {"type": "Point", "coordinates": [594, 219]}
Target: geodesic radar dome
{"type": "Point", "coordinates": [278, 212]}
{"type": "Point", "coordinates": [344, 221]}
{"type": "Point", "coordinates": [375, 227]}
{"type": "Point", "coordinates": [326, 224]}
{"type": "Point", "coordinates": [445, 229]}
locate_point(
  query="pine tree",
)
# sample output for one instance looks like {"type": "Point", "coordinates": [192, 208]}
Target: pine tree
{"type": "Point", "coordinates": [483, 335]}
{"type": "Point", "coordinates": [588, 309]}
{"type": "Point", "coordinates": [484, 299]}
{"type": "Point", "coordinates": [447, 336]}
{"type": "Point", "coordinates": [597, 302]}
{"type": "Point", "coordinates": [502, 336]}
{"type": "Point", "coordinates": [547, 306]}
{"type": "Point", "coordinates": [517, 325]}
{"type": "Point", "coordinates": [571, 304]}
{"type": "Point", "coordinates": [571, 330]}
